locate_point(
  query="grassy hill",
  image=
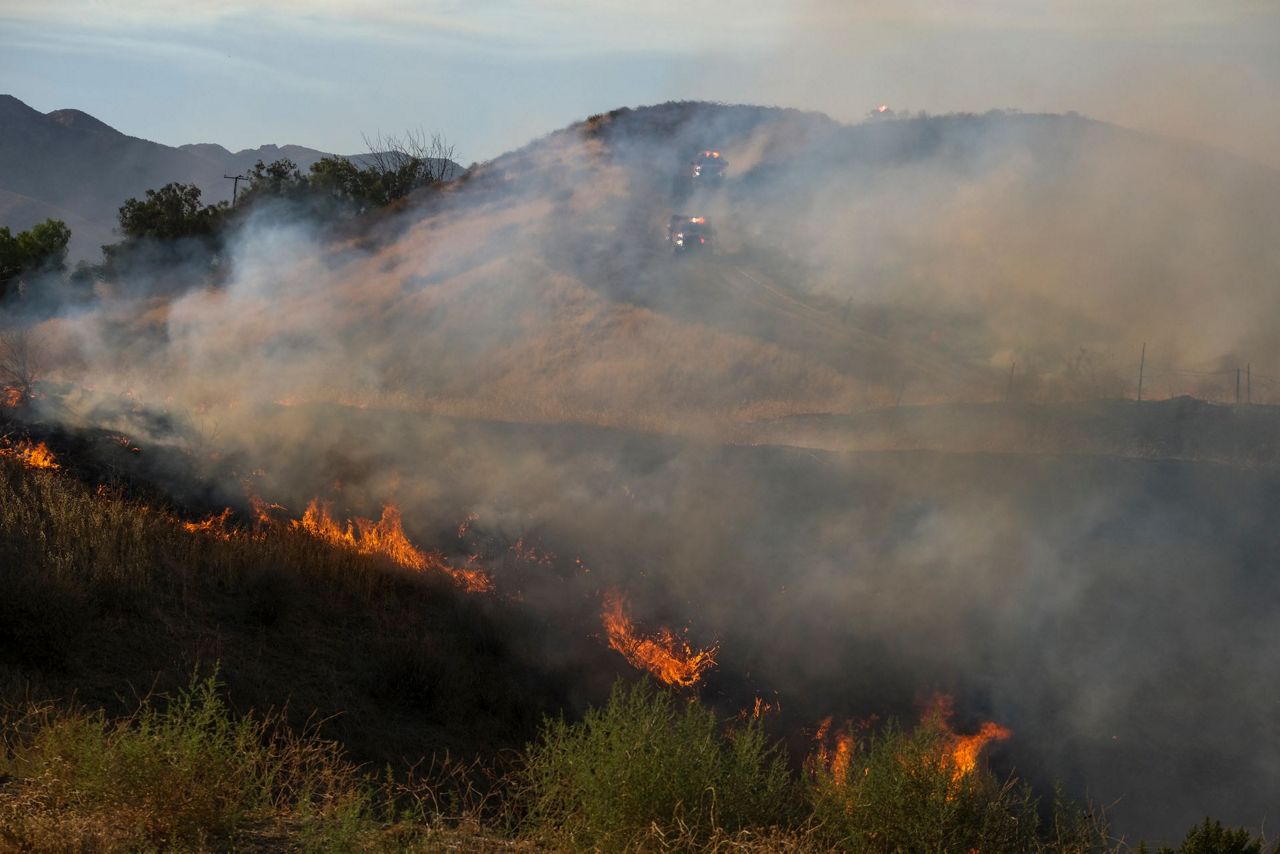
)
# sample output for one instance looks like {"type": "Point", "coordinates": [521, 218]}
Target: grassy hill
{"type": "Point", "coordinates": [791, 448]}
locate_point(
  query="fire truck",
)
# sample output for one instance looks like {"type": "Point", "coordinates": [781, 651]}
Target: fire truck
{"type": "Point", "coordinates": [708, 167]}
{"type": "Point", "coordinates": [689, 234]}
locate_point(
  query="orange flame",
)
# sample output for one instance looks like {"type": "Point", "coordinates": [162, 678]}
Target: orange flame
{"type": "Point", "coordinates": [965, 748]}
{"type": "Point", "coordinates": [834, 758]}
{"type": "Point", "coordinates": [262, 517]}
{"type": "Point", "coordinates": [666, 657]}
{"type": "Point", "coordinates": [214, 526]}
{"type": "Point", "coordinates": [35, 456]}
{"type": "Point", "coordinates": [962, 750]}
{"type": "Point", "coordinates": [11, 396]}
{"type": "Point", "coordinates": [386, 538]}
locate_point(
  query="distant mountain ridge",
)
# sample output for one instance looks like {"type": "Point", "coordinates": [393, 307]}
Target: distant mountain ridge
{"type": "Point", "coordinates": [69, 165]}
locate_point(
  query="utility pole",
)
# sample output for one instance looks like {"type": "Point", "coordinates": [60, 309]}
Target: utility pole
{"type": "Point", "coordinates": [1248, 382]}
{"type": "Point", "coordinates": [1237, 386]}
{"type": "Point", "coordinates": [235, 186]}
{"type": "Point", "coordinates": [1142, 365]}
{"type": "Point", "coordinates": [1008, 392]}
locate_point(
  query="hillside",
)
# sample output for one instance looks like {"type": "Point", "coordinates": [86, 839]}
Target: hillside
{"type": "Point", "coordinates": [913, 261]}
{"type": "Point", "coordinates": [875, 445]}
{"type": "Point", "coordinates": [68, 165]}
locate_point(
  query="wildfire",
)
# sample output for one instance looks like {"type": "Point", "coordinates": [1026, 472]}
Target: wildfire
{"type": "Point", "coordinates": [962, 750]}
{"type": "Point", "coordinates": [262, 511]}
{"type": "Point", "coordinates": [956, 753]}
{"type": "Point", "coordinates": [11, 396]}
{"type": "Point", "coordinates": [386, 538]}
{"type": "Point", "coordinates": [214, 526]}
{"type": "Point", "coordinates": [36, 456]}
{"type": "Point", "coordinates": [834, 756]}
{"type": "Point", "coordinates": [664, 655]}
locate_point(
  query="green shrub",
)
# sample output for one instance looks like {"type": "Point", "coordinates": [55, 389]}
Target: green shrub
{"type": "Point", "coordinates": [898, 792]}
{"type": "Point", "coordinates": [186, 775]}
{"type": "Point", "coordinates": [647, 764]}
{"type": "Point", "coordinates": [1212, 838]}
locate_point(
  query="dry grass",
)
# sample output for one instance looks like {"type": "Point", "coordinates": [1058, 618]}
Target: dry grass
{"type": "Point", "coordinates": [185, 773]}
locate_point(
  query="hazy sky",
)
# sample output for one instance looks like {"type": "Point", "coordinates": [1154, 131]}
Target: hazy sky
{"type": "Point", "coordinates": [491, 74]}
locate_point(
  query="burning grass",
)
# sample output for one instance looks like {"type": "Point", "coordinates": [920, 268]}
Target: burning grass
{"type": "Point", "coordinates": [34, 455]}
{"type": "Point", "coordinates": [670, 659]}
{"type": "Point", "coordinates": [386, 538]}
{"type": "Point", "coordinates": [649, 770]}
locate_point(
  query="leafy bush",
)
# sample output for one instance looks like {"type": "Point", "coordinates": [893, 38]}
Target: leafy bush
{"type": "Point", "coordinates": [1212, 838]}
{"type": "Point", "coordinates": [646, 763]}
{"type": "Point", "coordinates": [897, 791]}
{"type": "Point", "coordinates": [185, 775]}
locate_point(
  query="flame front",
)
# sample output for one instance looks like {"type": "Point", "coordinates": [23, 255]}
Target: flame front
{"type": "Point", "coordinates": [385, 538]}
{"type": "Point", "coordinates": [965, 748]}
{"type": "Point", "coordinates": [215, 526]}
{"type": "Point", "coordinates": [668, 658]}
{"type": "Point", "coordinates": [12, 396]}
{"type": "Point", "coordinates": [834, 758]}
{"type": "Point", "coordinates": [36, 456]}
{"type": "Point", "coordinates": [961, 750]}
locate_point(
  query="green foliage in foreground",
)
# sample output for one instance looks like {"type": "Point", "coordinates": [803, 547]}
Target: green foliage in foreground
{"type": "Point", "coordinates": [1210, 837]}
{"type": "Point", "coordinates": [647, 771]}
{"type": "Point", "coordinates": [185, 775]}
{"type": "Point", "coordinates": [647, 763]}
{"type": "Point", "coordinates": [899, 793]}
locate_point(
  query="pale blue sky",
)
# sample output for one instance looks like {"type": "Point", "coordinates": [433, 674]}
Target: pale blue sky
{"type": "Point", "coordinates": [491, 74]}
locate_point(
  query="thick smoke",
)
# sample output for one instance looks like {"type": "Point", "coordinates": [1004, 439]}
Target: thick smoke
{"type": "Point", "coordinates": [523, 346]}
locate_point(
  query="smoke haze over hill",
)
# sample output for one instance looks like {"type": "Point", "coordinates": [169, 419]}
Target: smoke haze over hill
{"type": "Point", "coordinates": [522, 345]}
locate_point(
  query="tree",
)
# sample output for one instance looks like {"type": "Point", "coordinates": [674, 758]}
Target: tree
{"type": "Point", "coordinates": [407, 163]}
{"type": "Point", "coordinates": [19, 361]}
{"type": "Point", "coordinates": [279, 179]}
{"type": "Point", "coordinates": [338, 181]}
{"type": "Point", "coordinates": [1213, 838]}
{"type": "Point", "coordinates": [170, 213]}
{"type": "Point", "coordinates": [41, 248]}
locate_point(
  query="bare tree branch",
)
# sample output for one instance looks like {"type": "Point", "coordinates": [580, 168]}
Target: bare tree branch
{"type": "Point", "coordinates": [20, 362]}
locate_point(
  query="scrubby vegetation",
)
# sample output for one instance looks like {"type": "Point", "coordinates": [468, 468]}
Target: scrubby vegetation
{"type": "Point", "coordinates": [187, 775]}
{"type": "Point", "coordinates": [193, 766]}
{"type": "Point", "coordinates": [646, 765]}
{"type": "Point", "coordinates": [104, 597]}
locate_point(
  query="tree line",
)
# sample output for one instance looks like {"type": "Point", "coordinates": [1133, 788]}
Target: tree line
{"type": "Point", "coordinates": [171, 225]}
